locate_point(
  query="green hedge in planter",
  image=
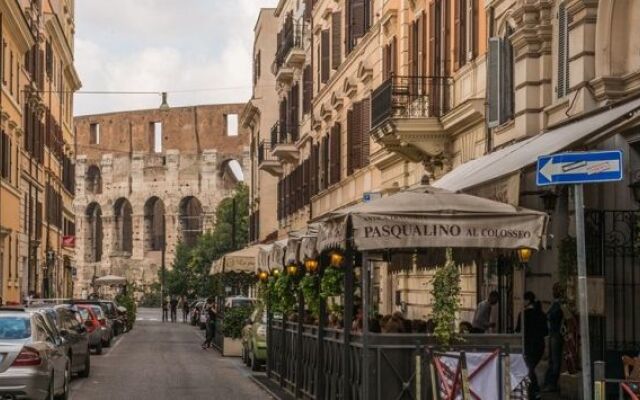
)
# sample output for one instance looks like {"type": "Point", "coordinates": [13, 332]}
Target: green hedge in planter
{"type": "Point", "coordinates": [234, 320]}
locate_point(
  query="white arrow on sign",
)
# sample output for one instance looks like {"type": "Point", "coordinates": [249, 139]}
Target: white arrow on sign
{"type": "Point", "coordinates": [580, 167]}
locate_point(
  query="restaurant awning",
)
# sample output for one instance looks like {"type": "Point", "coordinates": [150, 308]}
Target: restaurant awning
{"type": "Point", "coordinates": [263, 257]}
{"type": "Point", "coordinates": [244, 260]}
{"type": "Point", "coordinates": [277, 253]}
{"type": "Point", "coordinates": [424, 216]}
{"type": "Point", "coordinates": [595, 126]}
{"type": "Point", "coordinates": [301, 244]}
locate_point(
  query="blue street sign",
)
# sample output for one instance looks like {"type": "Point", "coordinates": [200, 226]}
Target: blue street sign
{"type": "Point", "coordinates": [579, 167]}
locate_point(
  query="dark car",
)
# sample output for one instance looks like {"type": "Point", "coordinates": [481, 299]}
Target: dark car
{"type": "Point", "coordinates": [110, 309]}
{"type": "Point", "coordinates": [69, 324]}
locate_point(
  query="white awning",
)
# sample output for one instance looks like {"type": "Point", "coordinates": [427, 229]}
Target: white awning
{"type": "Point", "coordinates": [244, 260]}
{"type": "Point", "coordinates": [513, 158]}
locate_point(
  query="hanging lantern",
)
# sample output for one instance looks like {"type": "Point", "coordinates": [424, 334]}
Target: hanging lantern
{"type": "Point", "coordinates": [292, 269]}
{"type": "Point", "coordinates": [263, 276]}
{"type": "Point", "coordinates": [275, 272]}
{"type": "Point", "coordinates": [311, 265]}
{"type": "Point", "coordinates": [336, 258]}
{"type": "Point", "coordinates": [524, 254]}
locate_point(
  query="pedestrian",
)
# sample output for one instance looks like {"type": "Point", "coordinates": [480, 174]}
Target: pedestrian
{"type": "Point", "coordinates": [555, 318]}
{"type": "Point", "coordinates": [185, 309]}
{"type": "Point", "coordinates": [482, 317]}
{"type": "Point", "coordinates": [210, 311]}
{"type": "Point", "coordinates": [535, 331]}
{"type": "Point", "coordinates": [165, 310]}
{"type": "Point", "coordinates": [174, 308]}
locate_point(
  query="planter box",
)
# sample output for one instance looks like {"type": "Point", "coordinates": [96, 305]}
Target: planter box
{"type": "Point", "coordinates": [232, 347]}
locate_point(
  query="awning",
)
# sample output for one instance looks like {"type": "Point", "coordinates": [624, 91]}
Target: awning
{"type": "Point", "coordinates": [263, 257]}
{"type": "Point", "coordinates": [424, 216]}
{"type": "Point", "coordinates": [301, 244]}
{"type": "Point", "coordinates": [513, 158]}
{"type": "Point", "coordinates": [244, 260]}
{"type": "Point", "coordinates": [276, 254]}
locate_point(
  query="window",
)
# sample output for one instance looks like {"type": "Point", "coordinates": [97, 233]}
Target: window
{"type": "Point", "coordinates": [256, 67]}
{"type": "Point", "coordinates": [358, 126]}
{"type": "Point", "coordinates": [336, 39]}
{"type": "Point", "coordinates": [94, 133]}
{"type": "Point", "coordinates": [562, 87]}
{"type": "Point", "coordinates": [325, 57]}
{"type": "Point", "coordinates": [500, 92]}
{"type": "Point", "coordinates": [231, 121]}
{"type": "Point", "coordinates": [359, 21]}
{"type": "Point", "coordinates": [5, 156]}
{"type": "Point", "coordinates": [156, 136]}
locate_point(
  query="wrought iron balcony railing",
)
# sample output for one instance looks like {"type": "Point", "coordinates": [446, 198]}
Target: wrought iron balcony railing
{"type": "Point", "coordinates": [410, 97]}
{"type": "Point", "coordinates": [283, 133]}
{"type": "Point", "coordinates": [264, 152]}
{"type": "Point", "coordinates": [290, 37]}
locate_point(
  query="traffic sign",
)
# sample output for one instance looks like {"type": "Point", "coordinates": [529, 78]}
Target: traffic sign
{"type": "Point", "coordinates": [579, 167]}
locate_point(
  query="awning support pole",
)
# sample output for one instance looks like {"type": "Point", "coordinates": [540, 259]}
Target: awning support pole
{"type": "Point", "coordinates": [348, 315]}
{"type": "Point", "coordinates": [298, 388]}
{"type": "Point", "coordinates": [322, 322]}
{"type": "Point", "coordinates": [365, 324]}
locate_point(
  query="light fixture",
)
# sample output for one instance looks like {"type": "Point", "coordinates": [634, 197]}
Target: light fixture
{"type": "Point", "coordinates": [335, 259]}
{"type": "Point", "coordinates": [165, 104]}
{"type": "Point", "coordinates": [292, 269]}
{"type": "Point", "coordinates": [311, 265]}
{"type": "Point", "coordinates": [275, 272]}
{"type": "Point", "coordinates": [524, 254]}
{"type": "Point", "coordinates": [263, 276]}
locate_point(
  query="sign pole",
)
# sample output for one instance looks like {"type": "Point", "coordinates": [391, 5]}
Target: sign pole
{"type": "Point", "coordinates": [585, 354]}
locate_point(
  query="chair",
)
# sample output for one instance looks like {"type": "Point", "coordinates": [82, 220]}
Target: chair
{"type": "Point", "coordinates": [631, 367]}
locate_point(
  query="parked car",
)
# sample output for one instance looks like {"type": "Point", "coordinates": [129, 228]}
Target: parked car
{"type": "Point", "coordinates": [105, 325]}
{"type": "Point", "coordinates": [254, 339]}
{"type": "Point", "coordinates": [238, 301]}
{"type": "Point", "coordinates": [94, 328]}
{"type": "Point", "coordinates": [196, 309]}
{"type": "Point", "coordinates": [67, 321]}
{"type": "Point", "coordinates": [34, 364]}
{"type": "Point", "coordinates": [110, 313]}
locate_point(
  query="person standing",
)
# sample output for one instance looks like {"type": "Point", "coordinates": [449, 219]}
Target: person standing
{"type": "Point", "coordinates": [482, 317]}
{"type": "Point", "coordinates": [555, 317]}
{"type": "Point", "coordinates": [210, 311]}
{"type": "Point", "coordinates": [165, 310]}
{"type": "Point", "coordinates": [174, 308]}
{"type": "Point", "coordinates": [185, 309]}
{"type": "Point", "coordinates": [535, 330]}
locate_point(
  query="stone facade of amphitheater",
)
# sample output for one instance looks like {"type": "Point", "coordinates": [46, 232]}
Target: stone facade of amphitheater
{"type": "Point", "coordinates": [135, 167]}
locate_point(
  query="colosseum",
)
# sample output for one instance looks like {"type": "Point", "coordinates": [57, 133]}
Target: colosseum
{"type": "Point", "coordinates": [148, 177]}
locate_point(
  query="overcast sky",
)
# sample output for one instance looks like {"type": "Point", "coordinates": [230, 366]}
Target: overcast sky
{"type": "Point", "coordinates": [164, 45]}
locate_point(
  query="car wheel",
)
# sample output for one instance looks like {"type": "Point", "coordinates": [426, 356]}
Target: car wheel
{"type": "Point", "coordinates": [99, 348]}
{"type": "Point", "coordinates": [87, 366]}
{"type": "Point", "coordinates": [65, 387]}
{"type": "Point", "coordinates": [107, 343]}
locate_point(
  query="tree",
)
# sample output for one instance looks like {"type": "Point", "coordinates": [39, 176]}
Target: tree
{"type": "Point", "coordinates": [189, 274]}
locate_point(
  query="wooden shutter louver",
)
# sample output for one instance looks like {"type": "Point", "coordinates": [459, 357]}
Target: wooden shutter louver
{"type": "Point", "coordinates": [295, 112]}
{"type": "Point", "coordinates": [355, 148]}
{"type": "Point", "coordinates": [325, 55]}
{"type": "Point", "coordinates": [357, 22]}
{"type": "Point", "coordinates": [307, 89]}
{"type": "Point", "coordinates": [434, 29]}
{"type": "Point", "coordinates": [563, 60]}
{"type": "Point", "coordinates": [506, 95]}
{"type": "Point", "coordinates": [324, 181]}
{"type": "Point", "coordinates": [336, 39]}
{"type": "Point", "coordinates": [493, 89]}
{"type": "Point", "coordinates": [366, 128]}
{"type": "Point", "coordinates": [334, 157]}
{"type": "Point", "coordinates": [421, 45]}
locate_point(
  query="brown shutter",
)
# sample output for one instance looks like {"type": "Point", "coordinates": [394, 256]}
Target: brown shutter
{"type": "Point", "coordinates": [458, 34]}
{"type": "Point", "coordinates": [351, 136]}
{"type": "Point", "coordinates": [357, 16]}
{"type": "Point", "coordinates": [307, 89]}
{"type": "Point", "coordinates": [336, 39]}
{"type": "Point", "coordinates": [356, 137]}
{"type": "Point", "coordinates": [386, 62]}
{"type": "Point", "coordinates": [324, 181]}
{"type": "Point", "coordinates": [421, 45]}
{"type": "Point", "coordinates": [335, 157]}
{"type": "Point", "coordinates": [294, 102]}
{"type": "Point", "coordinates": [474, 27]}
{"type": "Point", "coordinates": [393, 63]}
{"type": "Point", "coordinates": [282, 122]}
{"type": "Point", "coordinates": [325, 56]}
{"type": "Point", "coordinates": [410, 53]}
{"type": "Point", "coordinates": [366, 127]}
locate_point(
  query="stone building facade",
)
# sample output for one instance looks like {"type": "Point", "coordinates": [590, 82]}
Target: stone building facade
{"type": "Point", "coordinates": [144, 177]}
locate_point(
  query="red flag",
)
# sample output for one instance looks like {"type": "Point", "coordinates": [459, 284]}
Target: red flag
{"type": "Point", "coordinates": [69, 241]}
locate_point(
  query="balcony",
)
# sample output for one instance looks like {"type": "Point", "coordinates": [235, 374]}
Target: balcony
{"type": "Point", "coordinates": [283, 141]}
{"type": "Point", "coordinates": [406, 112]}
{"type": "Point", "coordinates": [267, 161]}
{"type": "Point", "coordinates": [290, 52]}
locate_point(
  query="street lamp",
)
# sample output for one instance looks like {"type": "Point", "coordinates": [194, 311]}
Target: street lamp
{"type": "Point", "coordinates": [336, 258]}
{"type": "Point", "coordinates": [524, 255]}
{"type": "Point", "coordinates": [292, 269]}
{"type": "Point", "coordinates": [263, 276]}
{"type": "Point", "coordinates": [311, 265]}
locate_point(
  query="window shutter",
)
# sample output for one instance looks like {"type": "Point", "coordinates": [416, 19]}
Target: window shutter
{"type": "Point", "coordinates": [474, 31]}
{"type": "Point", "coordinates": [393, 60]}
{"type": "Point", "coordinates": [412, 56]}
{"type": "Point", "coordinates": [386, 62]}
{"type": "Point", "coordinates": [357, 22]}
{"type": "Point", "coordinates": [457, 29]}
{"type": "Point", "coordinates": [295, 112]}
{"type": "Point", "coordinates": [495, 74]}
{"type": "Point", "coordinates": [433, 39]}
{"type": "Point", "coordinates": [324, 182]}
{"type": "Point", "coordinates": [506, 95]}
{"type": "Point", "coordinates": [356, 135]}
{"type": "Point", "coordinates": [307, 89]}
{"type": "Point", "coordinates": [334, 168]}
{"type": "Point", "coordinates": [282, 122]}
{"type": "Point", "coordinates": [325, 56]}
{"type": "Point", "coordinates": [366, 127]}
{"type": "Point", "coordinates": [336, 39]}
{"type": "Point", "coordinates": [444, 38]}
{"type": "Point", "coordinates": [563, 56]}
{"type": "Point", "coordinates": [421, 45]}
{"type": "Point", "coordinates": [307, 9]}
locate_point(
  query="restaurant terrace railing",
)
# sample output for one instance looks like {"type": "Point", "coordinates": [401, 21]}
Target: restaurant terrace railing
{"type": "Point", "coordinates": [410, 97]}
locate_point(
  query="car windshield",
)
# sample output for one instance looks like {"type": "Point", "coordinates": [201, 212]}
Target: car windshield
{"type": "Point", "coordinates": [14, 327]}
{"type": "Point", "coordinates": [241, 302]}
{"type": "Point", "coordinates": [84, 313]}
{"type": "Point", "coordinates": [98, 311]}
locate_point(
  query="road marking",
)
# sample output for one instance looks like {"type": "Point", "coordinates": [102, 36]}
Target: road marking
{"type": "Point", "coordinates": [113, 347]}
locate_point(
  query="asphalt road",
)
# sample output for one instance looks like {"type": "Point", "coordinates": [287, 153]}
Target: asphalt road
{"type": "Point", "coordinates": [158, 361]}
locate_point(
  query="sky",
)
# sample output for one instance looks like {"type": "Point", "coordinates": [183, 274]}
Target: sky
{"type": "Point", "coordinates": [184, 47]}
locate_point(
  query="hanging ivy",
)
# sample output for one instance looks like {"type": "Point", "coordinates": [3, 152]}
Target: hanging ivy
{"type": "Point", "coordinates": [284, 294]}
{"type": "Point", "coordinates": [446, 300]}
{"type": "Point", "coordinates": [310, 287]}
{"type": "Point", "coordinates": [331, 283]}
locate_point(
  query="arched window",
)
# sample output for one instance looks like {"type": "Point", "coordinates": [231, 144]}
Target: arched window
{"type": "Point", "coordinates": [93, 233]}
{"type": "Point", "coordinates": [123, 239]}
{"type": "Point", "coordinates": [154, 224]}
{"type": "Point", "coordinates": [231, 173]}
{"type": "Point", "coordinates": [191, 218]}
{"type": "Point", "coordinates": [93, 180]}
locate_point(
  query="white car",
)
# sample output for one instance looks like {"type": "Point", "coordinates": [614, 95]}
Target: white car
{"type": "Point", "coordinates": [238, 301]}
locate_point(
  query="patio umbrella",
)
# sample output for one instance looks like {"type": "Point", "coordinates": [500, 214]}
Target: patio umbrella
{"type": "Point", "coordinates": [425, 216]}
{"type": "Point", "coordinates": [110, 280]}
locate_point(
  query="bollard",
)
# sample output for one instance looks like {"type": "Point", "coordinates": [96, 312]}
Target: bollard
{"type": "Point", "coordinates": [599, 384]}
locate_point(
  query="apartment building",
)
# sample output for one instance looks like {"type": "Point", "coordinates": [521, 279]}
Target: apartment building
{"type": "Point", "coordinates": [38, 81]}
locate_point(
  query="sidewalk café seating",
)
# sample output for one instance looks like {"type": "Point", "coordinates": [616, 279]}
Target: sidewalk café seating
{"type": "Point", "coordinates": [631, 366]}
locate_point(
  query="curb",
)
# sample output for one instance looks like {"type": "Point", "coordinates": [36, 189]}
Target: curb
{"type": "Point", "coordinates": [265, 388]}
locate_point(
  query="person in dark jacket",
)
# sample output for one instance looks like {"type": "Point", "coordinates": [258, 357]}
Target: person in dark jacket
{"type": "Point", "coordinates": [535, 331]}
{"type": "Point", "coordinates": [555, 318]}
{"type": "Point", "coordinates": [210, 311]}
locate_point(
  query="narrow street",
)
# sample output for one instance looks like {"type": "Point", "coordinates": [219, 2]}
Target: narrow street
{"type": "Point", "coordinates": [157, 361]}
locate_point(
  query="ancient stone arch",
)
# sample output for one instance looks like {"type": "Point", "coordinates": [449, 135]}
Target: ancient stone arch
{"type": "Point", "coordinates": [93, 233]}
{"type": "Point", "coordinates": [93, 180]}
{"type": "Point", "coordinates": [154, 224]}
{"type": "Point", "coordinates": [123, 226]}
{"type": "Point", "coordinates": [191, 217]}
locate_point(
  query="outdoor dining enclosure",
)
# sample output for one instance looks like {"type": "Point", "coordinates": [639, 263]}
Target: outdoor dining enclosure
{"type": "Point", "coordinates": [324, 341]}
